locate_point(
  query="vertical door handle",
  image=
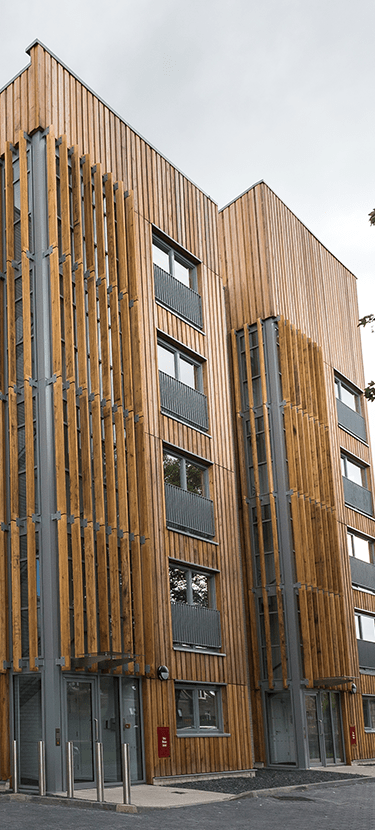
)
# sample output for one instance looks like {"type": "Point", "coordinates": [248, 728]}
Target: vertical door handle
{"type": "Point", "coordinates": [96, 729]}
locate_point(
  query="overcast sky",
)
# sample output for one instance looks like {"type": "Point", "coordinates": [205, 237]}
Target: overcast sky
{"type": "Point", "coordinates": [233, 91]}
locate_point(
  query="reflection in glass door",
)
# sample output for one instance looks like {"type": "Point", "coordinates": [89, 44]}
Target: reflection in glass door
{"type": "Point", "coordinates": [324, 729]}
{"type": "Point", "coordinates": [131, 723]}
{"type": "Point", "coordinates": [80, 728]}
{"type": "Point", "coordinates": [28, 726]}
{"type": "Point", "coordinates": [110, 728]}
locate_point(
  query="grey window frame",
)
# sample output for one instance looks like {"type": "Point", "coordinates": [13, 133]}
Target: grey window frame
{"type": "Point", "coordinates": [366, 714]}
{"type": "Point", "coordinates": [175, 256]}
{"type": "Point", "coordinates": [353, 533]}
{"type": "Point", "coordinates": [341, 383]}
{"type": "Point", "coordinates": [357, 462]}
{"type": "Point", "coordinates": [189, 570]}
{"type": "Point", "coordinates": [179, 353]}
{"type": "Point", "coordinates": [358, 614]}
{"type": "Point", "coordinates": [183, 478]}
{"type": "Point", "coordinates": [197, 730]}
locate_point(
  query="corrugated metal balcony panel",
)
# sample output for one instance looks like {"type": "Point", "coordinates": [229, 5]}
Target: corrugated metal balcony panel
{"type": "Point", "coordinates": [195, 625]}
{"type": "Point", "coordinates": [366, 654]}
{"type": "Point", "coordinates": [357, 496]}
{"type": "Point", "coordinates": [189, 511]}
{"type": "Point", "coordinates": [351, 420]}
{"type": "Point", "coordinates": [363, 573]}
{"type": "Point", "coordinates": [178, 297]}
{"type": "Point", "coordinates": [183, 401]}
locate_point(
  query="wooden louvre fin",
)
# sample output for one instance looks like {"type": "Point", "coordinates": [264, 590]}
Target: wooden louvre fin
{"type": "Point", "coordinates": [3, 532]}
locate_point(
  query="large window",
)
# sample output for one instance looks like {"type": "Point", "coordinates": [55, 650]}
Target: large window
{"type": "Point", "coordinates": [175, 280]}
{"type": "Point", "coordinates": [195, 620]}
{"type": "Point", "coordinates": [198, 709]}
{"type": "Point", "coordinates": [181, 386]}
{"type": "Point", "coordinates": [369, 713]}
{"type": "Point", "coordinates": [348, 395]}
{"type": "Point", "coordinates": [188, 507]}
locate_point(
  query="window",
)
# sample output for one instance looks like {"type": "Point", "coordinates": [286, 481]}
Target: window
{"type": "Point", "coordinates": [368, 704]}
{"type": "Point", "coordinates": [187, 506]}
{"type": "Point", "coordinates": [178, 365]}
{"type": "Point", "coordinates": [360, 548]}
{"type": "Point", "coordinates": [365, 627]}
{"type": "Point", "coordinates": [349, 396]}
{"type": "Point", "coordinates": [181, 472]}
{"type": "Point", "coordinates": [349, 410]}
{"type": "Point", "coordinates": [354, 471]}
{"type": "Point", "coordinates": [175, 281]}
{"type": "Point", "coordinates": [195, 620]}
{"type": "Point", "coordinates": [172, 263]}
{"type": "Point", "coordinates": [198, 709]}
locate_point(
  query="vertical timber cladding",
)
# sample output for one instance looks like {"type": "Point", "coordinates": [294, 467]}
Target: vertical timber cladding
{"type": "Point", "coordinates": [97, 475]}
{"type": "Point", "coordinates": [313, 511]}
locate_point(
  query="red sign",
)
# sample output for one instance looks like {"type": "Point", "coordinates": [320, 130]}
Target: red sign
{"type": "Point", "coordinates": [353, 735]}
{"type": "Point", "coordinates": [164, 744]}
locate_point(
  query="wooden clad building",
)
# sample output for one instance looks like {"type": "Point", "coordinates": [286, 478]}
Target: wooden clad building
{"type": "Point", "coordinates": [174, 523]}
{"type": "Point", "coordinates": [306, 485]}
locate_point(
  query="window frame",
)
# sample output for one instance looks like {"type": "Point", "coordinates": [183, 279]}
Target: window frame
{"type": "Point", "coordinates": [190, 569]}
{"type": "Point", "coordinates": [367, 715]}
{"type": "Point", "coordinates": [197, 730]}
{"type": "Point", "coordinates": [175, 256]}
{"type": "Point", "coordinates": [356, 462]}
{"type": "Point", "coordinates": [178, 353]}
{"type": "Point", "coordinates": [353, 534]}
{"type": "Point", "coordinates": [183, 477]}
{"type": "Point", "coordinates": [341, 383]}
{"type": "Point", "coordinates": [358, 614]}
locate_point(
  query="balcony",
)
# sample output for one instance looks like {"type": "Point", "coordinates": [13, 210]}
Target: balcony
{"type": "Point", "coordinates": [366, 655]}
{"type": "Point", "coordinates": [183, 402]}
{"type": "Point", "coordinates": [195, 625]}
{"type": "Point", "coordinates": [178, 297]}
{"type": "Point", "coordinates": [357, 497]}
{"type": "Point", "coordinates": [189, 512]}
{"type": "Point", "coordinates": [351, 420]}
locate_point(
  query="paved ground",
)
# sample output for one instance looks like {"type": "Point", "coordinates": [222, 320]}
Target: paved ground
{"type": "Point", "coordinates": [334, 807]}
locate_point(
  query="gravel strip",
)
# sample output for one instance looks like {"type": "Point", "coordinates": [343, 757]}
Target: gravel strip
{"type": "Point", "coordinates": [265, 779]}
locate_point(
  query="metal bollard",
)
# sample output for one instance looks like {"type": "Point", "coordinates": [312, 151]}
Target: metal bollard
{"type": "Point", "coordinates": [15, 768]}
{"type": "Point", "coordinates": [99, 771]}
{"type": "Point", "coordinates": [69, 769]}
{"type": "Point", "coordinates": [125, 756]}
{"type": "Point", "coordinates": [42, 767]}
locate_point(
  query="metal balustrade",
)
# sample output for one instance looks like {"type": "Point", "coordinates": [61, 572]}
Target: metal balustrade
{"type": "Point", "coordinates": [188, 511]}
{"type": "Point", "coordinates": [178, 297]}
{"type": "Point", "coordinates": [357, 496]}
{"type": "Point", "coordinates": [182, 401]}
{"type": "Point", "coordinates": [195, 625]}
{"type": "Point", "coordinates": [363, 573]}
{"type": "Point", "coordinates": [366, 654]}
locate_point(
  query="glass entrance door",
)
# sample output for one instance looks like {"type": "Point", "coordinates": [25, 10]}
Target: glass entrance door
{"type": "Point", "coordinates": [81, 728]}
{"type": "Point", "coordinates": [324, 728]}
{"type": "Point", "coordinates": [107, 709]}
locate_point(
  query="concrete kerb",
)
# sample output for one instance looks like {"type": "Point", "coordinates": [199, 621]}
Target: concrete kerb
{"type": "Point", "coordinates": [61, 801]}
{"type": "Point", "coordinates": [296, 787]}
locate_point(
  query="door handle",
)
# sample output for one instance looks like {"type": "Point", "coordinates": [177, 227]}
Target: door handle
{"type": "Point", "coordinates": [96, 729]}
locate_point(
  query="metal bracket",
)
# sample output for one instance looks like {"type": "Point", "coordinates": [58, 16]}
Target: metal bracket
{"type": "Point", "coordinates": [6, 665]}
{"type": "Point", "coordinates": [62, 259]}
{"type": "Point", "coordinates": [126, 413]}
{"type": "Point", "coordinates": [56, 516]}
{"type": "Point", "coordinates": [136, 419]}
{"type": "Point", "coordinates": [45, 133]}
{"type": "Point", "coordinates": [20, 522]}
{"type": "Point", "coordinates": [115, 186]}
{"type": "Point", "coordinates": [70, 519]}
{"type": "Point", "coordinates": [60, 661]}
{"type": "Point", "coordinates": [103, 403]}
{"type": "Point", "coordinates": [83, 522]}
{"type": "Point", "coordinates": [30, 256]}
{"type": "Point", "coordinates": [98, 282]}
{"type": "Point", "coordinates": [39, 662]}
{"type": "Point", "coordinates": [16, 263]}
{"type": "Point", "coordinates": [66, 384]}
{"type": "Point", "coordinates": [120, 295]}
{"type": "Point", "coordinates": [52, 379]}
{"type": "Point", "coordinates": [17, 389]}
{"type": "Point", "coordinates": [96, 526]}
{"type": "Point", "coordinates": [105, 178]}
{"type": "Point", "coordinates": [120, 533]}
{"type": "Point", "coordinates": [4, 527]}
{"type": "Point", "coordinates": [114, 408]}
{"type": "Point", "coordinates": [33, 382]}
{"type": "Point", "coordinates": [136, 667]}
{"type": "Point", "coordinates": [3, 397]}
{"type": "Point", "coordinates": [58, 142]}
{"type": "Point", "coordinates": [48, 251]}
{"type": "Point", "coordinates": [91, 397]}
{"type": "Point", "coordinates": [131, 537]}
{"type": "Point", "coordinates": [79, 392]}
{"type": "Point", "coordinates": [23, 663]}
{"type": "Point", "coordinates": [75, 266]}
{"type": "Point", "coordinates": [142, 540]}
{"type": "Point", "coordinates": [147, 669]}
{"type": "Point", "coordinates": [108, 530]}
{"type": "Point", "coordinates": [35, 518]}
{"type": "Point", "coordinates": [131, 303]}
